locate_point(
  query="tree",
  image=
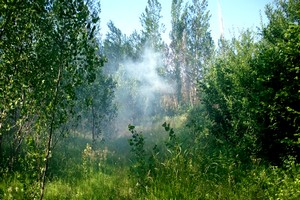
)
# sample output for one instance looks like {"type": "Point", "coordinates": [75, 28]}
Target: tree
{"type": "Point", "coordinates": [176, 36]}
{"type": "Point", "coordinates": [228, 92]}
{"type": "Point", "coordinates": [199, 46]}
{"type": "Point", "coordinates": [48, 49]}
{"type": "Point", "coordinates": [278, 73]}
{"type": "Point", "coordinates": [251, 91]}
{"type": "Point", "coordinates": [120, 51]}
{"type": "Point", "coordinates": [152, 29]}
{"type": "Point", "coordinates": [151, 41]}
{"type": "Point", "coordinates": [95, 106]}
{"type": "Point", "coordinates": [113, 48]}
{"type": "Point", "coordinates": [191, 47]}
{"type": "Point", "coordinates": [125, 53]}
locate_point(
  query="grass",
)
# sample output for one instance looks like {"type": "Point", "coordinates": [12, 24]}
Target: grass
{"type": "Point", "coordinates": [96, 186]}
{"type": "Point", "coordinates": [78, 171]}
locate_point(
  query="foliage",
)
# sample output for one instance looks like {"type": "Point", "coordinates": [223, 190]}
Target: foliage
{"type": "Point", "coordinates": [251, 91]}
{"type": "Point", "coordinates": [278, 72]}
{"type": "Point", "coordinates": [207, 174]}
{"type": "Point", "coordinates": [152, 29]}
{"type": "Point", "coordinates": [239, 140]}
{"type": "Point", "coordinates": [191, 47]}
{"type": "Point", "coordinates": [95, 106]}
{"type": "Point", "coordinates": [139, 167]}
{"type": "Point", "coordinates": [48, 49]}
{"type": "Point", "coordinates": [227, 92]}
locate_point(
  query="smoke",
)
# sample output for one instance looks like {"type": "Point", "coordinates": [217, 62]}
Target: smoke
{"type": "Point", "coordinates": [146, 72]}
{"type": "Point", "coordinates": [140, 88]}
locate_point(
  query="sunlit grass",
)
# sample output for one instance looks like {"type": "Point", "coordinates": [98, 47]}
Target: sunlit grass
{"type": "Point", "coordinates": [78, 172]}
{"type": "Point", "coordinates": [201, 174]}
{"type": "Point", "coordinates": [96, 186]}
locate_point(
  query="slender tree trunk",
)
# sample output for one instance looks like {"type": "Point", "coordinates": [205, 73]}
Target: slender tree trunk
{"type": "Point", "coordinates": [93, 124]}
{"type": "Point", "coordinates": [47, 156]}
{"type": "Point", "coordinates": [51, 132]}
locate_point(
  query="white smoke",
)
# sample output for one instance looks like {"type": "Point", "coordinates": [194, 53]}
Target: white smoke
{"type": "Point", "coordinates": [146, 71]}
{"type": "Point", "coordinates": [141, 80]}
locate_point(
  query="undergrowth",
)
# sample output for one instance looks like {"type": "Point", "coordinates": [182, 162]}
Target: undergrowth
{"type": "Point", "coordinates": [168, 167]}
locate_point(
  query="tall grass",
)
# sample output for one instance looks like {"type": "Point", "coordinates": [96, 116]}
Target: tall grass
{"type": "Point", "coordinates": [175, 167]}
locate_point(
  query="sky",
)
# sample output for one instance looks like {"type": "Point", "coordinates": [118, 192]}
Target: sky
{"type": "Point", "coordinates": [236, 15]}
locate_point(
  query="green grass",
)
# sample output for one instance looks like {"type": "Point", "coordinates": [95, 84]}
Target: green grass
{"type": "Point", "coordinates": [183, 172]}
{"type": "Point", "coordinates": [257, 183]}
{"type": "Point", "coordinates": [95, 186]}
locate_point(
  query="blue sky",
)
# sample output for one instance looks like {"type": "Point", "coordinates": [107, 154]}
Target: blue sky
{"type": "Point", "coordinates": [237, 15]}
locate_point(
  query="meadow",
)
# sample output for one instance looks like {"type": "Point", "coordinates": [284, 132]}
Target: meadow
{"type": "Point", "coordinates": [159, 164]}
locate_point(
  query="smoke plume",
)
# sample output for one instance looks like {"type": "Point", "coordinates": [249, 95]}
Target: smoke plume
{"type": "Point", "coordinates": [140, 88]}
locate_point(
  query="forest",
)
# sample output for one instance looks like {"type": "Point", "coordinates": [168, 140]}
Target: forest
{"type": "Point", "coordinates": [87, 115]}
